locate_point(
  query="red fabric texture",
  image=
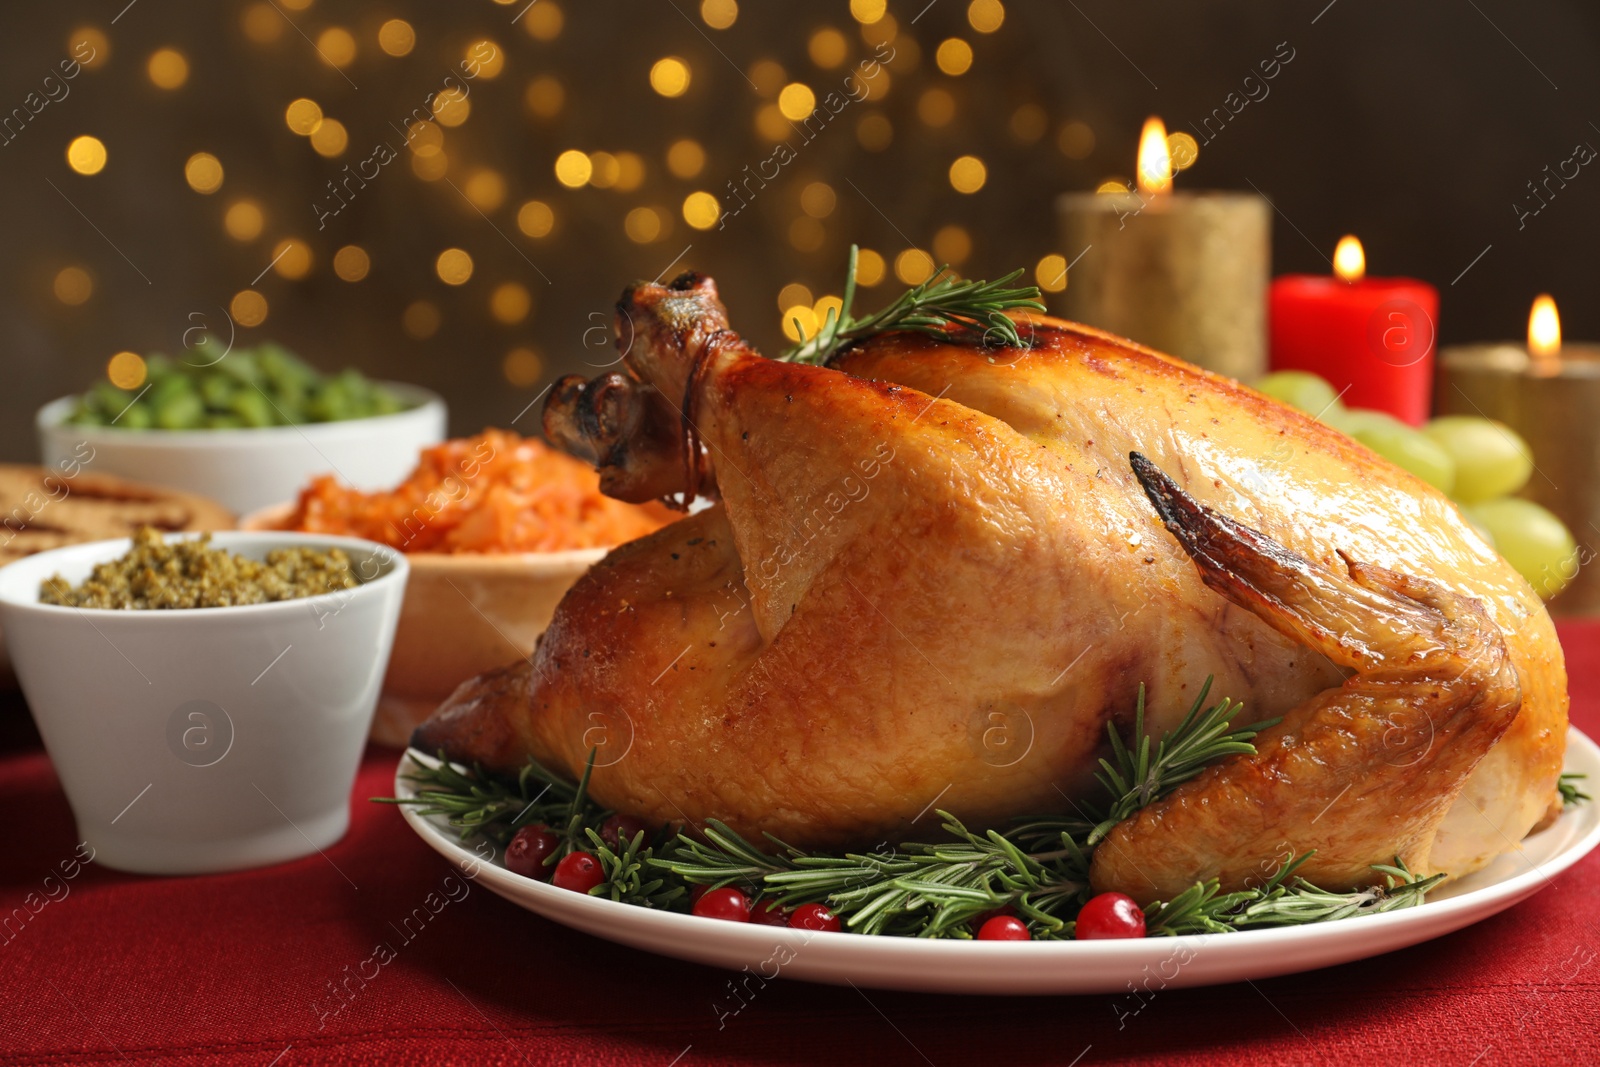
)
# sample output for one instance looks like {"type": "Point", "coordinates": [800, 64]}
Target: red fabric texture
{"type": "Point", "coordinates": [241, 968]}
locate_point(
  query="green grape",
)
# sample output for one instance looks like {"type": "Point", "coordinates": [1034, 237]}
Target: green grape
{"type": "Point", "coordinates": [1491, 460]}
{"type": "Point", "coordinates": [1532, 540]}
{"type": "Point", "coordinates": [1300, 389]}
{"type": "Point", "coordinates": [1407, 448]}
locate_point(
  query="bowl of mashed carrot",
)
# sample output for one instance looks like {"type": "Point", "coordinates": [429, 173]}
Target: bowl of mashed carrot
{"type": "Point", "coordinates": [496, 527]}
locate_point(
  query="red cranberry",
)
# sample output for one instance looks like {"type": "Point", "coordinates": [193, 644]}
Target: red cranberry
{"type": "Point", "coordinates": [725, 903]}
{"type": "Point", "coordinates": [618, 830]}
{"type": "Point", "coordinates": [579, 872]}
{"type": "Point", "coordinates": [1004, 928]}
{"type": "Point", "coordinates": [528, 850]}
{"type": "Point", "coordinates": [768, 913]}
{"type": "Point", "coordinates": [977, 921]}
{"type": "Point", "coordinates": [815, 917]}
{"type": "Point", "coordinates": [1110, 915]}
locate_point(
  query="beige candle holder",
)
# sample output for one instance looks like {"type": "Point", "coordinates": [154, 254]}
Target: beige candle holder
{"type": "Point", "coordinates": [1185, 273]}
{"type": "Point", "coordinates": [1555, 406]}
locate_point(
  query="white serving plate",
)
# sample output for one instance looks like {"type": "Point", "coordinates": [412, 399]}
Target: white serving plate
{"type": "Point", "coordinates": [1046, 967]}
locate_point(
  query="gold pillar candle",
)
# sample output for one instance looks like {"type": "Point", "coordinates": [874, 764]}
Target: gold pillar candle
{"type": "Point", "coordinates": [1185, 273]}
{"type": "Point", "coordinates": [1553, 401]}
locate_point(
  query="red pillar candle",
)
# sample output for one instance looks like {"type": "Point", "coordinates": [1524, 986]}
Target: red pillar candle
{"type": "Point", "coordinates": [1372, 338]}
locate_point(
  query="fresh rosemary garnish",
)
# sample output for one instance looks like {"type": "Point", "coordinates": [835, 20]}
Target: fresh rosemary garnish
{"type": "Point", "coordinates": [1039, 868]}
{"type": "Point", "coordinates": [944, 305]}
{"type": "Point", "coordinates": [1571, 792]}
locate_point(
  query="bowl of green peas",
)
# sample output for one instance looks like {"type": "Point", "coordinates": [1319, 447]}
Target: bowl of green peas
{"type": "Point", "coordinates": [248, 429]}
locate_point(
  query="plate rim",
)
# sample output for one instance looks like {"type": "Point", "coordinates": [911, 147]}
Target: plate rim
{"type": "Point", "coordinates": [1432, 915]}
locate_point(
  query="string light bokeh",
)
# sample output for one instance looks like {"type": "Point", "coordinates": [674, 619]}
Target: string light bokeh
{"type": "Point", "coordinates": [454, 194]}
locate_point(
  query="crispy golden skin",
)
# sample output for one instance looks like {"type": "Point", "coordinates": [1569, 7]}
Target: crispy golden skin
{"type": "Point", "coordinates": [934, 576]}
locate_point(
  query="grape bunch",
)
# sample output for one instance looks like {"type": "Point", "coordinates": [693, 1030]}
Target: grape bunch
{"type": "Point", "coordinates": [1479, 463]}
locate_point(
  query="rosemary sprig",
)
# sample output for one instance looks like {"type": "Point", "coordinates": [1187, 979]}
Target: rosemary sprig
{"type": "Point", "coordinates": [1571, 792]}
{"type": "Point", "coordinates": [943, 305]}
{"type": "Point", "coordinates": [1284, 900]}
{"type": "Point", "coordinates": [1039, 868]}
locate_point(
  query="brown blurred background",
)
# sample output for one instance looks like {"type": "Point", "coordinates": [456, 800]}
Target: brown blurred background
{"type": "Point", "coordinates": [1417, 129]}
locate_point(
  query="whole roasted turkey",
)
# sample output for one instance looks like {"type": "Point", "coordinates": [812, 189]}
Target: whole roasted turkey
{"type": "Point", "coordinates": [937, 568]}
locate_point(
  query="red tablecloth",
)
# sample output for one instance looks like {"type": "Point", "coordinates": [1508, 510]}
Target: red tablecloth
{"type": "Point", "coordinates": [243, 968]}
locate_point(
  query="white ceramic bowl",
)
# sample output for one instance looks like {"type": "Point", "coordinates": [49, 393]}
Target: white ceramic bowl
{"type": "Point", "coordinates": [251, 468]}
{"type": "Point", "coordinates": [205, 739]}
{"type": "Point", "coordinates": [463, 615]}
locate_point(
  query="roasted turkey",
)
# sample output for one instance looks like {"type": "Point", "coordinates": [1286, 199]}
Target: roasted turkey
{"type": "Point", "coordinates": [937, 568]}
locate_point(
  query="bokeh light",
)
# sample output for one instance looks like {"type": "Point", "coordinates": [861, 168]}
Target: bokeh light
{"type": "Point", "coordinates": [936, 107]}
{"type": "Point", "coordinates": [535, 218]}
{"type": "Point", "coordinates": [967, 174]}
{"type": "Point", "coordinates": [954, 56]}
{"type": "Point", "coordinates": [396, 37]}
{"type": "Point", "coordinates": [868, 11]}
{"type": "Point", "coordinates": [522, 367]}
{"type": "Point", "coordinates": [431, 167]}
{"type": "Point", "coordinates": [510, 303]}
{"type": "Point", "coordinates": [451, 107]}
{"type": "Point", "coordinates": [573, 168]}
{"type": "Point", "coordinates": [303, 116]}
{"type": "Point", "coordinates": [1076, 140]}
{"type": "Point", "coordinates": [870, 267]}
{"type": "Point", "coordinates": [544, 97]}
{"type": "Point", "coordinates": [484, 59]}
{"type": "Point", "coordinates": [336, 46]}
{"type": "Point", "coordinates": [686, 159]}
{"type": "Point", "coordinates": [952, 244]}
{"type": "Point", "coordinates": [874, 132]}
{"type": "Point", "coordinates": [89, 47]}
{"type": "Point", "coordinates": [768, 76]}
{"type": "Point", "coordinates": [797, 101]}
{"type": "Point", "coordinates": [454, 266]}
{"type": "Point", "coordinates": [701, 210]}
{"type": "Point", "coordinates": [425, 138]}
{"type": "Point", "coordinates": [291, 258]}
{"type": "Point", "coordinates": [670, 76]}
{"type": "Point", "coordinates": [827, 48]}
{"type": "Point", "coordinates": [330, 138]}
{"type": "Point", "coordinates": [792, 295]}
{"type": "Point", "coordinates": [818, 200]}
{"type": "Point", "coordinates": [1029, 123]}
{"type": "Point", "coordinates": [126, 370]}
{"type": "Point", "coordinates": [167, 68]}
{"type": "Point", "coordinates": [771, 124]}
{"type": "Point", "coordinates": [86, 155]}
{"type": "Point", "coordinates": [914, 266]}
{"type": "Point", "coordinates": [485, 189]}
{"type": "Point", "coordinates": [244, 220]}
{"type": "Point", "coordinates": [248, 308]}
{"type": "Point", "coordinates": [630, 171]}
{"type": "Point", "coordinates": [799, 322]}
{"type": "Point", "coordinates": [420, 319]}
{"type": "Point", "coordinates": [806, 234]}
{"type": "Point", "coordinates": [351, 263]}
{"type": "Point", "coordinates": [203, 172]}
{"type": "Point", "coordinates": [1183, 149]}
{"type": "Point", "coordinates": [642, 225]}
{"type": "Point", "coordinates": [985, 16]}
{"type": "Point", "coordinates": [604, 170]}
{"type": "Point", "coordinates": [543, 21]}
{"type": "Point", "coordinates": [719, 14]}
{"type": "Point", "coordinates": [1050, 273]}
{"type": "Point", "coordinates": [73, 286]}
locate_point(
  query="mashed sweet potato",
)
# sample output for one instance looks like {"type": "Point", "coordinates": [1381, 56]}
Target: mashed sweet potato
{"type": "Point", "coordinates": [493, 493]}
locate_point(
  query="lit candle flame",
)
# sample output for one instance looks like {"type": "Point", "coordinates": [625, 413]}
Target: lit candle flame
{"type": "Point", "coordinates": [1544, 329]}
{"type": "Point", "coordinates": [1349, 261]}
{"type": "Point", "coordinates": [1155, 158]}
